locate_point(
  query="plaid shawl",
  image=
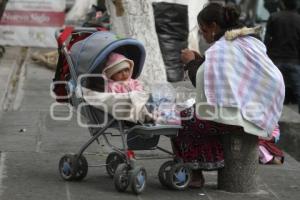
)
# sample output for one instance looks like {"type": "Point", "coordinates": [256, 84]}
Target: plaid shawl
{"type": "Point", "coordinates": [239, 74]}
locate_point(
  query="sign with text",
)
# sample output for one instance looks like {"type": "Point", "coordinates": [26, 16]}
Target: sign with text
{"type": "Point", "coordinates": [31, 22]}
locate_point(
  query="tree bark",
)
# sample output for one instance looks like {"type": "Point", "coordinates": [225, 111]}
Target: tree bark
{"type": "Point", "coordinates": [241, 163]}
{"type": "Point", "coordinates": [2, 7]}
{"type": "Point", "coordinates": [79, 10]}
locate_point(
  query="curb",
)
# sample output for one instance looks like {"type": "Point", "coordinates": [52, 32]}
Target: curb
{"type": "Point", "coordinates": [5, 95]}
{"type": "Point", "coordinates": [19, 92]}
{"type": "Point", "coordinates": [15, 80]}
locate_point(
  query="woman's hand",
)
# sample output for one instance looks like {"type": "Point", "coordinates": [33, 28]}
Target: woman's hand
{"type": "Point", "coordinates": [187, 55]}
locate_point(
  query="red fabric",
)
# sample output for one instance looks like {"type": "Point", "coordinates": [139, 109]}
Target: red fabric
{"type": "Point", "coordinates": [199, 141]}
{"type": "Point", "coordinates": [271, 147]}
{"type": "Point", "coordinates": [64, 35]}
{"type": "Point", "coordinates": [62, 69]}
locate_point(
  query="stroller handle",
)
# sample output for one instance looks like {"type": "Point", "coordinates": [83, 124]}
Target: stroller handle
{"type": "Point", "coordinates": [76, 30]}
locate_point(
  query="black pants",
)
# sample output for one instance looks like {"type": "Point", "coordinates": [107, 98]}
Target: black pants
{"type": "Point", "coordinates": [291, 76]}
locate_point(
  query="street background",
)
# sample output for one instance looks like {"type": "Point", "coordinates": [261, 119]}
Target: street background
{"type": "Point", "coordinates": [31, 144]}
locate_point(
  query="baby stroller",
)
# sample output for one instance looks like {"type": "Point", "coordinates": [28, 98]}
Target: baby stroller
{"type": "Point", "coordinates": [85, 60]}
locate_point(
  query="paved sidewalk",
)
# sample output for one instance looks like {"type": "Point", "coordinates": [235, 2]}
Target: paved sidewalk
{"type": "Point", "coordinates": [29, 158]}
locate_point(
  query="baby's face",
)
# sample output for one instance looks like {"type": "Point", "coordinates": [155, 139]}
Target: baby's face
{"type": "Point", "coordinates": [122, 75]}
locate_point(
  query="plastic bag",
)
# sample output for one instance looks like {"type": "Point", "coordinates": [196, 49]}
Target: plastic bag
{"type": "Point", "coordinates": [163, 92]}
{"type": "Point", "coordinates": [171, 23]}
{"type": "Point", "coordinates": [162, 104]}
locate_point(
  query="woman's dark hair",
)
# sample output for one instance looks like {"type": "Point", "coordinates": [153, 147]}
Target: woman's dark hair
{"type": "Point", "coordinates": [226, 17]}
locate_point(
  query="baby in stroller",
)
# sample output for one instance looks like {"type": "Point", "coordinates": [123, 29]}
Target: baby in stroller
{"type": "Point", "coordinates": [92, 61]}
{"type": "Point", "coordinates": [158, 109]}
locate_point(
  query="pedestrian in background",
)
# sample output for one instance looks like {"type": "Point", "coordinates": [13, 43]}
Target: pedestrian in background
{"type": "Point", "coordinates": [269, 153]}
{"type": "Point", "coordinates": [283, 45]}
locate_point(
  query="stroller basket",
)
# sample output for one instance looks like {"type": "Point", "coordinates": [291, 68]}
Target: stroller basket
{"type": "Point", "coordinates": [146, 137]}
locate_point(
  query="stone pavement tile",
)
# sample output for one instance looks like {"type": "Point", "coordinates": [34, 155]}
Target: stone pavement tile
{"type": "Point", "coordinates": [290, 114]}
{"type": "Point", "coordinates": [32, 176]}
{"type": "Point", "coordinates": [36, 176]}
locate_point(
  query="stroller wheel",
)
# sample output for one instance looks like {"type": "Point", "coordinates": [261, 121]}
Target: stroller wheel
{"type": "Point", "coordinates": [179, 176]}
{"type": "Point", "coordinates": [70, 170]}
{"type": "Point", "coordinates": [163, 170]}
{"type": "Point", "coordinates": [81, 169]}
{"type": "Point", "coordinates": [121, 177]}
{"type": "Point", "coordinates": [138, 180]}
{"type": "Point", "coordinates": [113, 160]}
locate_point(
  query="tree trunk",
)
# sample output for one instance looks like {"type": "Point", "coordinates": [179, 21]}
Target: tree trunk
{"type": "Point", "coordinates": [241, 163]}
{"type": "Point", "coordinates": [2, 7]}
{"type": "Point", "coordinates": [79, 10]}
{"type": "Point", "coordinates": [137, 21]}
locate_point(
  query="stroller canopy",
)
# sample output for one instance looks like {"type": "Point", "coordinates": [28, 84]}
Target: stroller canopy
{"type": "Point", "coordinates": [89, 55]}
